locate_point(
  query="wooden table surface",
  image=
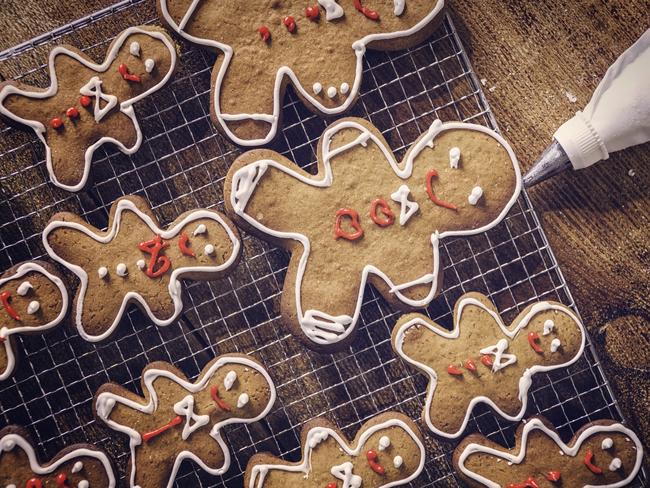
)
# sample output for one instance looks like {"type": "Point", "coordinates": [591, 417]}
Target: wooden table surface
{"type": "Point", "coordinates": [534, 58]}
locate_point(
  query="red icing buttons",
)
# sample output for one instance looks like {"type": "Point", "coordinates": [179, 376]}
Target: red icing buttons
{"type": "Point", "coordinates": [61, 480]}
{"type": "Point", "coordinates": [532, 338]}
{"type": "Point", "coordinates": [553, 476]}
{"type": "Point", "coordinates": [470, 365]}
{"type": "Point", "coordinates": [589, 458]}
{"type": "Point", "coordinates": [432, 173]}
{"type": "Point", "coordinates": [72, 113]}
{"type": "Point", "coordinates": [265, 33]}
{"type": "Point", "coordinates": [123, 69]}
{"type": "Point", "coordinates": [371, 456]}
{"type": "Point", "coordinates": [487, 360]}
{"type": "Point", "coordinates": [56, 122]}
{"type": "Point", "coordinates": [354, 222]}
{"type": "Point", "coordinates": [85, 101]}
{"type": "Point", "coordinates": [290, 23]}
{"type": "Point", "coordinates": [454, 371]}
{"type": "Point", "coordinates": [331, 485]}
{"type": "Point", "coordinates": [34, 483]}
{"type": "Point", "coordinates": [371, 14]}
{"type": "Point", "coordinates": [529, 483]}
{"type": "Point", "coordinates": [312, 13]}
{"type": "Point", "coordinates": [388, 215]}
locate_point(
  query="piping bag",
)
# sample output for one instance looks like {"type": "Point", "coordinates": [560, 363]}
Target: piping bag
{"type": "Point", "coordinates": [616, 117]}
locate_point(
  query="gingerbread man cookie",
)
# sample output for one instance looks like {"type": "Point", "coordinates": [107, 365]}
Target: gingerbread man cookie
{"type": "Point", "coordinates": [317, 47]}
{"type": "Point", "coordinates": [178, 420]}
{"type": "Point", "coordinates": [135, 261]}
{"type": "Point", "coordinates": [387, 451]}
{"type": "Point", "coordinates": [89, 104]}
{"type": "Point", "coordinates": [364, 217]}
{"type": "Point", "coordinates": [484, 361]}
{"type": "Point", "coordinates": [603, 453]}
{"type": "Point", "coordinates": [33, 299]}
{"type": "Point", "coordinates": [80, 466]}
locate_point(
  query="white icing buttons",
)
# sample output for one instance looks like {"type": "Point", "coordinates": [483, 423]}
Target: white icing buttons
{"type": "Point", "coordinates": [149, 65]}
{"type": "Point", "coordinates": [555, 344]}
{"type": "Point", "coordinates": [345, 88]}
{"type": "Point", "coordinates": [317, 88]}
{"type": "Point", "coordinates": [141, 264]}
{"type": "Point", "coordinates": [209, 249]}
{"type": "Point", "coordinates": [78, 466]}
{"type": "Point", "coordinates": [83, 484]}
{"type": "Point", "coordinates": [121, 270]}
{"type": "Point", "coordinates": [102, 272]}
{"type": "Point", "coordinates": [134, 48]}
{"type": "Point", "coordinates": [549, 325]}
{"type": "Point", "coordinates": [398, 461]}
{"type": "Point", "coordinates": [475, 196]}
{"type": "Point", "coordinates": [331, 91]}
{"type": "Point", "coordinates": [242, 401]}
{"type": "Point", "coordinates": [607, 443]}
{"type": "Point", "coordinates": [384, 443]}
{"type": "Point", "coordinates": [229, 380]}
{"type": "Point", "coordinates": [11, 486]}
{"type": "Point", "coordinates": [454, 157]}
{"type": "Point", "coordinates": [615, 465]}
{"type": "Point", "coordinates": [33, 307]}
{"type": "Point", "coordinates": [200, 229]}
{"type": "Point", "coordinates": [24, 288]}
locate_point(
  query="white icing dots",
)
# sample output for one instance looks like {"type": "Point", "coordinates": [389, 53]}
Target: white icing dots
{"type": "Point", "coordinates": [229, 380]}
{"type": "Point", "coordinates": [384, 443]}
{"type": "Point", "coordinates": [149, 65]}
{"type": "Point", "coordinates": [454, 157]}
{"type": "Point", "coordinates": [344, 89]}
{"type": "Point", "coordinates": [607, 443]}
{"type": "Point", "coordinates": [555, 344]}
{"type": "Point", "coordinates": [24, 288]}
{"type": "Point", "coordinates": [317, 88]}
{"type": "Point", "coordinates": [200, 229]}
{"type": "Point", "coordinates": [398, 461]}
{"type": "Point", "coordinates": [11, 486]}
{"type": "Point", "coordinates": [243, 400]}
{"type": "Point", "coordinates": [121, 270]}
{"type": "Point", "coordinates": [141, 264]}
{"type": "Point", "coordinates": [475, 196]}
{"type": "Point", "coordinates": [78, 466]}
{"type": "Point", "coordinates": [331, 91]}
{"type": "Point", "coordinates": [615, 465]}
{"type": "Point", "coordinates": [102, 272]}
{"type": "Point", "coordinates": [33, 307]}
{"type": "Point", "coordinates": [134, 48]}
{"type": "Point", "coordinates": [209, 249]}
{"type": "Point", "coordinates": [549, 325]}
{"type": "Point", "coordinates": [407, 207]}
{"type": "Point", "coordinates": [83, 484]}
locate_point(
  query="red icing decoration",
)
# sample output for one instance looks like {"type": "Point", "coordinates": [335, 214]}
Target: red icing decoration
{"type": "Point", "coordinates": [331, 485]}
{"type": "Point", "coordinates": [371, 456]}
{"type": "Point", "coordinates": [529, 483]}
{"type": "Point", "coordinates": [5, 296]}
{"type": "Point", "coordinates": [470, 365]}
{"type": "Point", "coordinates": [441, 203]}
{"type": "Point", "coordinates": [371, 14]}
{"type": "Point", "coordinates": [553, 476]}
{"type": "Point", "coordinates": [354, 216]}
{"type": "Point", "coordinates": [312, 13]}
{"type": "Point", "coordinates": [487, 360]}
{"type": "Point", "coordinates": [453, 370]}
{"type": "Point", "coordinates": [172, 423]}
{"type": "Point", "coordinates": [384, 209]}
{"type": "Point", "coordinates": [532, 337]}
{"type": "Point", "coordinates": [61, 480]}
{"type": "Point", "coordinates": [265, 33]}
{"type": "Point", "coordinates": [153, 247]}
{"type": "Point", "coordinates": [72, 113]}
{"type": "Point", "coordinates": [589, 457]}
{"type": "Point", "coordinates": [183, 245]}
{"type": "Point", "coordinates": [290, 23]}
{"type": "Point", "coordinates": [214, 393]}
{"type": "Point", "coordinates": [56, 122]}
{"type": "Point", "coordinates": [123, 69]}
{"type": "Point", "coordinates": [34, 483]}
{"type": "Point", "coordinates": [85, 101]}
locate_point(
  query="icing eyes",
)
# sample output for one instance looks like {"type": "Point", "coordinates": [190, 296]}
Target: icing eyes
{"type": "Point", "coordinates": [549, 325]}
{"type": "Point", "coordinates": [24, 288]}
{"type": "Point", "coordinates": [134, 48]}
{"type": "Point", "coordinates": [78, 466]}
{"type": "Point", "coordinates": [33, 307]}
{"type": "Point", "coordinates": [454, 157]}
{"type": "Point", "coordinates": [384, 443]}
{"type": "Point", "coordinates": [149, 65]}
{"type": "Point", "coordinates": [475, 196]}
{"type": "Point", "coordinates": [229, 380]}
{"type": "Point", "coordinates": [615, 465]}
{"type": "Point", "coordinates": [209, 249]}
{"type": "Point", "coordinates": [243, 400]}
{"type": "Point", "coordinates": [200, 229]}
{"type": "Point", "coordinates": [608, 443]}
{"type": "Point", "coordinates": [555, 344]}
{"type": "Point", "coordinates": [398, 461]}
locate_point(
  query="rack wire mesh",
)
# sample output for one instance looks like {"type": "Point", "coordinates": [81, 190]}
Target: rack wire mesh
{"type": "Point", "coordinates": [181, 166]}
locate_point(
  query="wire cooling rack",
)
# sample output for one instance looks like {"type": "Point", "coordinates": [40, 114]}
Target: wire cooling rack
{"type": "Point", "coordinates": [181, 166]}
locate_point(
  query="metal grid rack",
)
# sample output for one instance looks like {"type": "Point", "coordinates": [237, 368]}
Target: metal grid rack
{"type": "Point", "coordinates": [180, 166]}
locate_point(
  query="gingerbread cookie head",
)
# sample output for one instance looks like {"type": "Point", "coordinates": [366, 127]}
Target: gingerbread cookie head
{"type": "Point", "coordinates": [387, 451]}
{"type": "Point", "coordinates": [484, 361]}
{"type": "Point", "coordinates": [135, 261]}
{"type": "Point", "coordinates": [81, 465]}
{"type": "Point", "coordinates": [603, 453]}
{"type": "Point", "coordinates": [178, 420]}
{"type": "Point", "coordinates": [33, 299]}
{"type": "Point", "coordinates": [364, 217]}
{"type": "Point", "coordinates": [89, 104]}
{"type": "Point", "coordinates": [316, 47]}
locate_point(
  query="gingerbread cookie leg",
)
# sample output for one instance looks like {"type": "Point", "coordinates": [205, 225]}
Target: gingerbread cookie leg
{"type": "Point", "coordinates": [178, 420]}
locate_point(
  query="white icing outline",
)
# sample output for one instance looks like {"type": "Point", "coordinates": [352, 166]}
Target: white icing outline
{"type": "Point", "coordinates": [537, 424]}
{"type": "Point", "coordinates": [245, 180]}
{"type": "Point", "coordinates": [5, 332]}
{"type": "Point", "coordinates": [524, 382]}
{"type": "Point", "coordinates": [359, 48]}
{"type": "Point", "coordinates": [174, 287]}
{"type": "Point", "coordinates": [106, 401]}
{"type": "Point", "coordinates": [35, 466]}
{"type": "Point", "coordinates": [318, 434]}
{"type": "Point", "coordinates": [126, 107]}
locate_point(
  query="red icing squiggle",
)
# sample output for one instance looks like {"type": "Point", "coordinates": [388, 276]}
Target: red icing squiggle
{"type": "Point", "coordinates": [371, 14]}
{"type": "Point", "coordinates": [153, 247]}
{"type": "Point", "coordinates": [123, 69]}
{"type": "Point", "coordinates": [354, 222]}
{"type": "Point", "coordinates": [183, 245]}
{"type": "Point", "coordinates": [532, 338]}
{"type": "Point", "coordinates": [214, 393]}
{"type": "Point", "coordinates": [371, 456]}
{"type": "Point", "coordinates": [172, 423]}
{"type": "Point", "coordinates": [5, 297]}
{"type": "Point", "coordinates": [432, 173]}
{"type": "Point", "coordinates": [589, 458]}
{"type": "Point", "coordinates": [381, 205]}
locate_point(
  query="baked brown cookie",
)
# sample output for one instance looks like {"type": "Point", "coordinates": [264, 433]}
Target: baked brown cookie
{"type": "Point", "coordinates": [80, 465]}
{"type": "Point", "coordinates": [135, 261]}
{"type": "Point", "coordinates": [364, 217]}
{"type": "Point", "coordinates": [316, 46]}
{"type": "Point", "coordinates": [481, 360]}
{"type": "Point", "coordinates": [602, 453]}
{"type": "Point", "coordinates": [33, 299]}
{"type": "Point", "coordinates": [88, 104]}
{"type": "Point", "coordinates": [178, 420]}
{"type": "Point", "coordinates": [387, 451]}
